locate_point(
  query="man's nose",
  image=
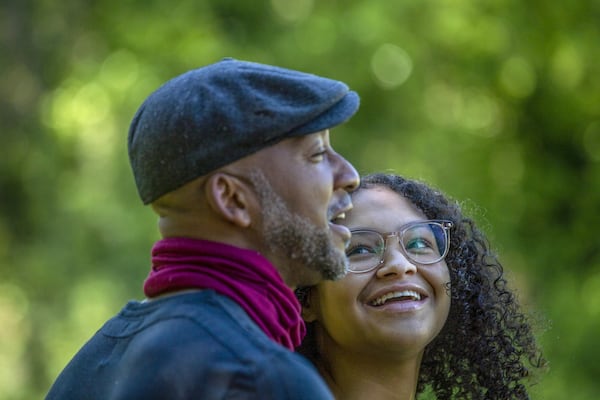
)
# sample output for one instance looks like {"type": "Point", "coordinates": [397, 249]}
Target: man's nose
{"type": "Point", "coordinates": [347, 177]}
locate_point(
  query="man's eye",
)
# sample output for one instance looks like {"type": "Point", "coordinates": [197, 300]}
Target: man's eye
{"type": "Point", "coordinates": [319, 155]}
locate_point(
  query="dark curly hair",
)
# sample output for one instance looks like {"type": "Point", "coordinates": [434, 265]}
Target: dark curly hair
{"type": "Point", "coordinates": [487, 348]}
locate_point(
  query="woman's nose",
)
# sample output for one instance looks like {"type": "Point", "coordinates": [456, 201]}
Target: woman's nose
{"type": "Point", "coordinates": [395, 261]}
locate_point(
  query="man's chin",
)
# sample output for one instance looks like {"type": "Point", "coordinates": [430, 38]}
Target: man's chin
{"type": "Point", "coordinates": [336, 268]}
{"type": "Point", "coordinates": [331, 269]}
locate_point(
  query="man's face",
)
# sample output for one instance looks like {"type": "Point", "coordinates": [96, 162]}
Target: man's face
{"type": "Point", "coordinates": [302, 185]}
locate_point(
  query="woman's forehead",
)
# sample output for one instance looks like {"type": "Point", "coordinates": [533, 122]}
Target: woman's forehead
{"type": "Point", "coordinates": [380, 206]}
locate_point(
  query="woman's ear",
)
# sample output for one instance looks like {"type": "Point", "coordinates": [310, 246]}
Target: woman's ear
{"type": "Point", "coordinates": [309, 312]}
{"type": "Point", "coordinates": [229, 196]}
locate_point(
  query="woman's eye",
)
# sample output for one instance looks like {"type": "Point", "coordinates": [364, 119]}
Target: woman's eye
{"type": "Point", "coordinates": [418, 245]}
{"type": "Point", "coordinates": [360, 250]}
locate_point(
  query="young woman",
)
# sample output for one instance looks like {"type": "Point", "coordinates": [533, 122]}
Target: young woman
{"type": "Point", "coordinates": [424, 308]}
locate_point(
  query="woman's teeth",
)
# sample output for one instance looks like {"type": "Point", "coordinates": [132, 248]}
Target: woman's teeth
{"type": "Point", "coordinates": [401, 295]}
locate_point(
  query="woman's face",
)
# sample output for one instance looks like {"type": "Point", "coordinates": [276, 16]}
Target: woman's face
{"type": "Point", "coordinates": [353, 312]}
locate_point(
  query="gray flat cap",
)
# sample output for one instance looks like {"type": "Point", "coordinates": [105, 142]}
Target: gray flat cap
{"type": "Point", "coordinates": [212, 116]}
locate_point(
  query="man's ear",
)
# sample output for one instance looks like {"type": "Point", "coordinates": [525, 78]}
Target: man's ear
{"type": "Point", "coordinates": [229, 196]}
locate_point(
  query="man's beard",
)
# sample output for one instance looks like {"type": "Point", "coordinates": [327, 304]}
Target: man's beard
{"type": "Point", "coordinates": [295, 239]}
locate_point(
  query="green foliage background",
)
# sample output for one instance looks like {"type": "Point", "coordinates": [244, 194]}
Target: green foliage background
{"type": "Point", "coordinates": [495, 102]}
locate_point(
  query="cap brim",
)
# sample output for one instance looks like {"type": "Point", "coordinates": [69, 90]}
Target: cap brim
{"type": "Point", "coordinates": [339, 113]}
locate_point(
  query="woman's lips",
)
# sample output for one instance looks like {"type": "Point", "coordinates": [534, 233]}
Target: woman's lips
{"type": "Point", "coordinates": [400, 297]}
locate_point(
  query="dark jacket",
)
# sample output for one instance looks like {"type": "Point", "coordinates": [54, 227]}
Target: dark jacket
{"type": "Point", "coordinates": [198, 345]}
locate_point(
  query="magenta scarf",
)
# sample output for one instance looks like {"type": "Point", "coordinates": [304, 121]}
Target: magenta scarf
{"type": "Point", "coordinates": [243, 275]}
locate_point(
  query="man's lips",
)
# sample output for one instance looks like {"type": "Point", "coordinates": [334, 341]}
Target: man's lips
{"type": "Point", "coordinates": [337, 212]}
{"type": "Point", "coordinates": [339, 209]}
{"type": "Point", "coordinates": [341, 231]}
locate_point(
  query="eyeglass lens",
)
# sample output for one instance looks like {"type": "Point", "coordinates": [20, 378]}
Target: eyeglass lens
{"type": "Point", "coordinates": [423, 243]}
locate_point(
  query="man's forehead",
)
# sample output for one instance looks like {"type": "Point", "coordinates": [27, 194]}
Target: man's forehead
{"type": "Point", "coordinates": [316, 137]}
{"type": "Point", "coordinates": [283, 150]}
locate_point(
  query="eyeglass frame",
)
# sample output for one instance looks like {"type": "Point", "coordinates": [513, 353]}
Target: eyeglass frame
{"type": "Point", "coordinates": [444, 224]}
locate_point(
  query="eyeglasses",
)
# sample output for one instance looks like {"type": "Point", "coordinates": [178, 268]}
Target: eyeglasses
{"type": "Point", "coordinates": [422, 242]}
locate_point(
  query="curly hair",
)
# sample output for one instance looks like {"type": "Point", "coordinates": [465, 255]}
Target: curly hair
{"type": "Point", "coordinates": [487, 348]}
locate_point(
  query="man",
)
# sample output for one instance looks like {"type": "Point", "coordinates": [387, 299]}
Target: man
{"type": "Point", "coordinates": [236, 161]}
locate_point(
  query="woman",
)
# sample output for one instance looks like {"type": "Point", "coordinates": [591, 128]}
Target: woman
{"type": "Point", "coordinates": [425, 308]}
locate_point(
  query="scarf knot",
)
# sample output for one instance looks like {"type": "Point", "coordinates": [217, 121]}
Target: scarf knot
{"type": "Point", "coordinates": [241, 274]}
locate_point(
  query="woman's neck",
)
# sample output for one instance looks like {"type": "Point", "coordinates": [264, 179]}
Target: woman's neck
{"type": "Point", "coordinates": [361, 376]}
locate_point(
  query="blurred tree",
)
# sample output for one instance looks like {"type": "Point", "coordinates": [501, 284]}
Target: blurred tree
{"type": "Point", "coordinates": [496, 103]}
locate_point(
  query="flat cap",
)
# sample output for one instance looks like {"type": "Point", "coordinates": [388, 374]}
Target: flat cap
{"type": "Point", "coordinates": [212, 116]}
